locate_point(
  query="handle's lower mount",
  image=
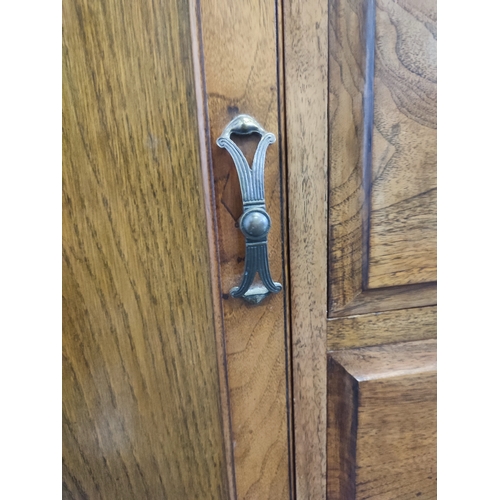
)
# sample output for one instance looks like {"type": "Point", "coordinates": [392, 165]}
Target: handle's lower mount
{"type": "Point", "coordinates": [255, 222]}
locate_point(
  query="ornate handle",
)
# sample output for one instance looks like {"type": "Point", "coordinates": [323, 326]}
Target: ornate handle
{"type": "Point", "coordinates": [255, 222]}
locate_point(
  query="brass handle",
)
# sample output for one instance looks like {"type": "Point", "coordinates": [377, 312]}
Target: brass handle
{"type": "Point", "coordinates": [255, 222]}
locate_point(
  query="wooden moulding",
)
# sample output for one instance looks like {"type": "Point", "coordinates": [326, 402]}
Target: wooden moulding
{"type": "Point", "coordinates": [383, 327]}
{"type": "Point", "coordinates": [202, 120]}
{"type": "Point", "coordinates": [382, 422]}
{"type": "Point", "coordinates": [391, 299]}
{"type": "Point", "coordinates": [348, 197]}
{"type": "Point", "coordinates": [382, 152]}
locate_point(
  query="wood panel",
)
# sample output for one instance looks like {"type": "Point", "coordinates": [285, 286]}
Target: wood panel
{"type": "Point", "coordinates": [382, 149]}
{"type": "Point", "coordinates": [241, 71]}
{"type": "Point", "coordinates": [141, 410]}
{"type": "Point", "coordinates": [382, 422]}
{"type": "Point", "coordinates": [403, 192]}
{"type": "Point", "coordinates": [348, 195]}
{"type": "Point", "coordinates": [306, 71]}
{"type": "Point", "coordinates": [385, 327]}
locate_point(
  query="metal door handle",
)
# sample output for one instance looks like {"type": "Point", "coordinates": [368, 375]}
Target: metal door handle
{"type": "Point", "coordinates": [255, 222]}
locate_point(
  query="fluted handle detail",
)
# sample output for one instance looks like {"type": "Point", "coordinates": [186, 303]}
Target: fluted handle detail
{"type": "Point", "coordinates": [255, 222]}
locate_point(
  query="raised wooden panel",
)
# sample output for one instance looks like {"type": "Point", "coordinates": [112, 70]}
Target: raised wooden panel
{"type": "Point", "coordinates": [141, 411]}
{"type": "Point", "coordinates": [382, 149]}
{"type": "Point", "coordinates": [239, 49]}
{"type": "Point", "coordinates": [402, 245]}
{"type": "Point", "coordinates": [382, 422]}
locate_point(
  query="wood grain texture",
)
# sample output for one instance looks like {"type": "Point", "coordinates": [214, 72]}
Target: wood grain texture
{"type": "Point", "coordinates": [306, 72]}
{"type": "Point", "coordinates": [382, 169]}
{"type": "Point", "coordinates": [390, 299]}
{"type": "Point", "coordinates": [241, 71]}
{"type": "Point", "coordinates": [385, 327]}
{"type": "Point", "coordinates": [348, 197]}
{"type": "Point", "coordinates": [403, 193]}
{"type": "Point", "coordinates": [141, 411]}
{"type": "Point", "coordinates": [206, 171]}
{"type": "Point", "coordinates": [382, 422]}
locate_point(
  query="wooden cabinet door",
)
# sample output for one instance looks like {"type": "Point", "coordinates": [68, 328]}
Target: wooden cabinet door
{"type": "Point", "coordinates": [360, 82]}
{"type": "Point", "coordinates": [173, 388]}
{"type": "Point", "coordinates": [142, 417]}
{"type": "Point", "coordinates": [382, 250]}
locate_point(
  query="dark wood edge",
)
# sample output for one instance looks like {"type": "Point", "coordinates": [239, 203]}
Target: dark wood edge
{"type": "Point", "coordinates": [342, 429]}
{"type": "Point", "coordinates": [212, 237]}
{"type": "Point", "coordinates": [282, 141]}
{"type": "Point", "coordinates": [358, 280]}
{"type": "Point", "coordinates": [346, 371]}
{"type": "Point", "coordinates": [368, 121]}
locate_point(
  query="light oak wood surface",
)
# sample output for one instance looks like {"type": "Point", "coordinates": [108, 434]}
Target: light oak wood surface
{"type": "Point", "coordinates": [306, 74]}
{"type": "Point", "coordinates": [239, 48]}
{"type": "Point", "coordinates": [382, 422]}
{"type": "Point", "coordinates": [141, 411]}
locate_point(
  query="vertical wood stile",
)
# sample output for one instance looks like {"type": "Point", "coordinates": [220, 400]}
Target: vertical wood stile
{"type": "Point", "coordinates": [306, 92]}
{"type": "Point", "coordinates": [204, 138]}
{"type": "Point", "coordinates": [239, 50]}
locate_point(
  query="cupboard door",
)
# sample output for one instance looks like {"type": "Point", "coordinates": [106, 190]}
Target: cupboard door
{"type": "Point", "coordinates": [141, 411]}
{"type": "Point", "coordinates": [382, 250]}
{"type": "Point", "coordinates": [360, 79]}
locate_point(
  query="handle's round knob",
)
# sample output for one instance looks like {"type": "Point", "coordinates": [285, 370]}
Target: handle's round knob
{"type": "Point", "coordinates": [255, 224]}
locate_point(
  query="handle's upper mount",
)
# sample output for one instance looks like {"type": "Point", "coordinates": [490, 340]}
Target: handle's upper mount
{"type": "Point", "coordinates": [255, 222]}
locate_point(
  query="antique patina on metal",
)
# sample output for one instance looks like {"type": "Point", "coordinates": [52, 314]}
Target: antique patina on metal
{"type": "Point", "coordinates": [255, 222]}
